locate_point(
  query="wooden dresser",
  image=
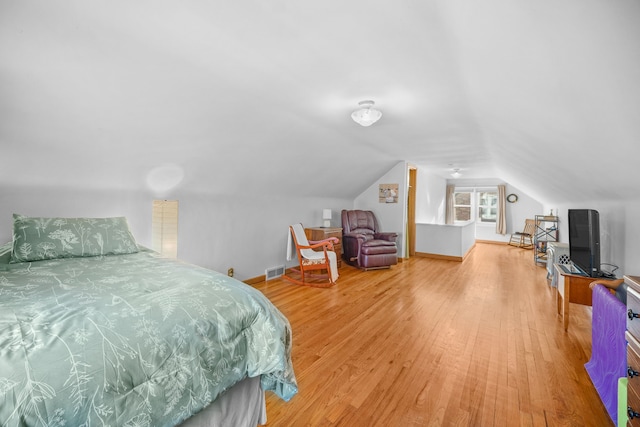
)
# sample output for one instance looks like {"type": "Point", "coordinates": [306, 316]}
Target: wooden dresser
{"type": "Point", "coordinates": [321, 233]}
{"type": "Point", "coordinates": [633, 349]}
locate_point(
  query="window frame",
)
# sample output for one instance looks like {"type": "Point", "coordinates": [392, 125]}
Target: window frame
{"type": "Point", "coordinates": [475, 204]}
{"type": "Point", "coordinates": [480, 206]}
{"type": "Point", "coordinates": [462, 206]}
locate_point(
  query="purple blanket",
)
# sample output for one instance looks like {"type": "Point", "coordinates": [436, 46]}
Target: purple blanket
{"type": "Point", "coordinates": [608, 347]}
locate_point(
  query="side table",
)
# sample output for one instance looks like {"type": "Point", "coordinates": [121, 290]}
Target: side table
{"type": "Point", "coordinates": [321, 233]}
{"type": "Point", "coordinates": [573, 288]}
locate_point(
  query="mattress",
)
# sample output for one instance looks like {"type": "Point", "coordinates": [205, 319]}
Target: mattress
{"type": "Point", "coordinates": [131, 340]}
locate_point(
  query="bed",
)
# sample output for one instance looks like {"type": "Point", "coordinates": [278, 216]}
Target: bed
{"type": "Point", "coordinates": [96, 330]}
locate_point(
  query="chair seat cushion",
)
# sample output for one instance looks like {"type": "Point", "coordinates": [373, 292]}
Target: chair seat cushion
{"type": "Point", "coordinates": [316, 261]}
{"type": "Point", "coordinates": [377, 242]}
{"type": "Point", "coordinates": [373, 247]}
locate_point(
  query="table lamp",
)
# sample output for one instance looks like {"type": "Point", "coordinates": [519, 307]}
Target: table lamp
{"type": "Point", "coordinates": [326, 216]}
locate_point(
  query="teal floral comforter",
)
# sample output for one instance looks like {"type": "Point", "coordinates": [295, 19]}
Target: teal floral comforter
{"type": "Point", "coordinates": [130, 340]}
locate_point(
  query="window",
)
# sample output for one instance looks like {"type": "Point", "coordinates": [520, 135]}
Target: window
{"type": "Point", "coordinates": [487, 206]}
{"type": "Point", "coordinates": [483, 202]}
{"type": "Point", "coordinates": [462, 205]}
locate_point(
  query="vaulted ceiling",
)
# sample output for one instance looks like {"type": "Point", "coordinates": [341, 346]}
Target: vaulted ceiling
{"type": "Point", "coordinates": [254, 96]}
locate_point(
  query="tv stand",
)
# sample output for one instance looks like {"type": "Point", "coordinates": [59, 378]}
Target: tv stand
{"type": "Point", "coordinates": [573, 270]}
{"type": "Point", "coordinates": [573, 288]}
{"type": "Point", "coordinates": [603, 275]}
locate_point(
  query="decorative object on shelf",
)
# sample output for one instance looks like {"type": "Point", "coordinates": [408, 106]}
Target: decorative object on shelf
{"type": "Point", "coordinates": [366, 115]}
{"type": "Point", "coordinates": [326, 216]}
{"type": "Point", "coordinates": [388, 193]}
{"type": "Point", "coordinates": [512, 198]}
{"type": "Point", "coordinates": [456, 173]}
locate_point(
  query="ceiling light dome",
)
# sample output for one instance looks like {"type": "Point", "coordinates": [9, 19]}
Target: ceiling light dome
{"type": "Point", "coordinates": [366, 115]}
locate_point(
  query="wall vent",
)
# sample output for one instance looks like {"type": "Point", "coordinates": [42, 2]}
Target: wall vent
{"type": "Point", "coordinates": [274, 272]}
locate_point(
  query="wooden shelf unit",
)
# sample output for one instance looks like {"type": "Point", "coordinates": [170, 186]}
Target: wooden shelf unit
{"type": "Point", "coordinates": [546, 231]}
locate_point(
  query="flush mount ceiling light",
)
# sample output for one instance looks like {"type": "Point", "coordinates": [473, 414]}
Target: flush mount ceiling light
{"type": "Point", "coordinates": [366, 115]}
{"type": "Point", "coordinates": [456, 173]}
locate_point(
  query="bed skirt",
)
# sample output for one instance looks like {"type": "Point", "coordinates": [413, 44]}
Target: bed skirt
{"type": "Point", "coordinates": [243, 405]}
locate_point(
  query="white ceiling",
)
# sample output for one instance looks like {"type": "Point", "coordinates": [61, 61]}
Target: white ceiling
{"type": "Point", "coordinates": [256, 96]}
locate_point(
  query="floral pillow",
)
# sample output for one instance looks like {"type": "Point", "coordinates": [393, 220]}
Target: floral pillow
{"type": "Point", "coordinates": [37, 239]}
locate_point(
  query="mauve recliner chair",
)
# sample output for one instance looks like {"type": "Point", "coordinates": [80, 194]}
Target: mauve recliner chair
{"type": "Point", "coordinates": [363, 244]}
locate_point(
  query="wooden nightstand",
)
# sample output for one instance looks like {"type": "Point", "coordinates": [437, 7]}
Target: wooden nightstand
{"type": "Point", "coordinates": [321, 233]}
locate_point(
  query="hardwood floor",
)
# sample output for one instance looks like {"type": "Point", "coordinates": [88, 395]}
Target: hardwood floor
{"type": "Point", "coordinates": [434, 342]}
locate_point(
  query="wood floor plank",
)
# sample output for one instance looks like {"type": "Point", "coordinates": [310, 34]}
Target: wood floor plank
{"type": "Point", "coordinates": [437, 343]}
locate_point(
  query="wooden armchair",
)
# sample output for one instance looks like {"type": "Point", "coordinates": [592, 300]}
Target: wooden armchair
{"type": "Point", "coordinates": [524, 238]}
{"type": "Point", "coordinates": [321, 264]}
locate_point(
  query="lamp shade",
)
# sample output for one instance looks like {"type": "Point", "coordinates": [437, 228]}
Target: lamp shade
{"type": "Point", "coordinates": [366, 115]}
{"type": "Point", "coordinates": [326, 216]}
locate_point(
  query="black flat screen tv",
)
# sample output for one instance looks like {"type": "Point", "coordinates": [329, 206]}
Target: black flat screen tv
{"type": "Point", "coordinates": [584, 240]}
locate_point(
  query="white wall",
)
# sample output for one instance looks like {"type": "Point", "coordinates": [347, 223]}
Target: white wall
{"type": "Point", "coordinates": [517, 213]}
{"type": "Point", "coordinates": [249, 233]}
{"type": "Point", "coordinates": [619, 229]}
{"type": "Point", "coordinates": [218, 232]}
{"type": "Point", "coordinates": [391, 216]}
{"type": "Point", "coordinates": [246, 233]}
{"type": "Point", "coordinates": [65, 202]}
{"type": "Point", "coordinates": [445, 239]}
{"type": "Point", "coordinates": [627, 235]}
{"type": "Point", "coordinates": [431, 194]}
